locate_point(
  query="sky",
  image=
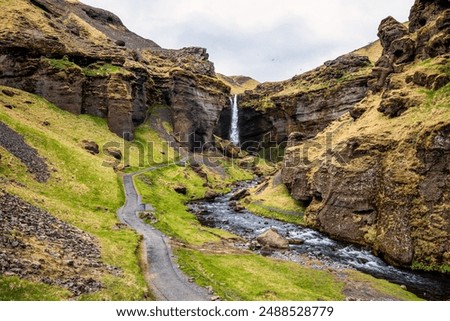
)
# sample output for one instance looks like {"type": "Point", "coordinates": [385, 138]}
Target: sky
{"type": "Point", "coordinates": [268, 40]}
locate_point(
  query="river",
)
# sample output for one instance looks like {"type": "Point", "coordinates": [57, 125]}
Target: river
{"type": "Point", "coordinates": [218, 213]}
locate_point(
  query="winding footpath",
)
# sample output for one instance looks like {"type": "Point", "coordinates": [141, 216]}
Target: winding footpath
{"type": "Point", "coordinates": [166, 280]}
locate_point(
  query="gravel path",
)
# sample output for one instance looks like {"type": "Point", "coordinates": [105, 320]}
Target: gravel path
{"type": "Point", "coordinates": [166, 280]}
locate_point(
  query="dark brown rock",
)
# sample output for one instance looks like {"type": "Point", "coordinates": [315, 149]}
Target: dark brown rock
{"type": "Point", "coordinates": [423, 12]}
{"type": "Point", "coordinates": [116, 77]}
{"type": "Point", "coordinates": [394, 106]}
{"type": "Point", "coordinates": [210, 194]}
{"type": "Point", "coordinates": [114, 152]}
{"type": "Point", "coordinates": [91, 147]}
{"type": "Point", "coordinates": [389, 31]}
{"type": "Point", "coordinates": [431, 21]}
{"type": "Point", "coordinates": [440, 81]}
{"type": "Point", "coordinates": [240, 194]}
{"type": "Point", "coordinates": [8, 92]}
{"type": "Point", "coordinates": [388, 207]}
{"type": "Point", "coordinates": [357, 111]}
{"type": "Point", "coordinates": [56, 254]}
{"type": "Point", "coordinates": [227, 148]}
{"type": "Point", "coordinates": [180, 189]}
{"type": "Point", "coordinates": [296, 241]}
{"type": "Point", "coordinates": [420, 79]}
{"type": "Point", "coordinates": [403, 50]}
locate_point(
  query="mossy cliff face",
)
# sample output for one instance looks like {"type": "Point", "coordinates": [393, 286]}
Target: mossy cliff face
{"type": "Point", "coordinates": [380, 175]}
{"type": "Point", "coordinates": [306, 103]}
{"type": "Point", "coordinates": [84, 60]}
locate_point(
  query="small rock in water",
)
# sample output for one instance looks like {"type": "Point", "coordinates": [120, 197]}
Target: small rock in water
{"type": "Point", "coordinates": [296, 241]}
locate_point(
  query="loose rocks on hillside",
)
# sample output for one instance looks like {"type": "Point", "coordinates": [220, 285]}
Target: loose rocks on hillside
{"type": "Point", "coordinates": [16, 145]}
{"type": "Point", "coordinates": [37, 246]}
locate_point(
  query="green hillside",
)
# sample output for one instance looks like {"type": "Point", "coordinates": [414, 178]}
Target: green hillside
{"type": "Point", "coordinates": [83, 190]}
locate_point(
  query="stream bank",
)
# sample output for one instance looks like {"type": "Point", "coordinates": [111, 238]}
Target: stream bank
{"type": "Point", "coordinates": [314, 247]}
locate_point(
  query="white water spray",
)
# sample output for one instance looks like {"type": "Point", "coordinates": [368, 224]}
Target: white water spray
{"type": "Point", "coordinates": [234, 129]}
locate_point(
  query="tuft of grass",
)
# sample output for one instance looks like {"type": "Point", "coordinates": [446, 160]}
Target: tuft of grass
{"type": "Point", "coordinates": [276, 213]}
{"type": "Point", "coordinates": [12, 288]}
{"type": "Point", "coordinates": [272, 199]}
{"type": "Point", "coordinates": [430, 268]}
{"type": "Point", "coordinates": [103, 70]}
{"type": "Point", "coordinates": [252, 277]}
{"type": "Point", "coordinates": [61, 64]}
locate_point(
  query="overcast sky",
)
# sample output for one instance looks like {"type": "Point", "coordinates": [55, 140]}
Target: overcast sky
{"type": "Point", "coordinates": [268, 40]}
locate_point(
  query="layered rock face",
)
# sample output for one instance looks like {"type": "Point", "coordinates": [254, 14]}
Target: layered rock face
{"type": "Point", "coordinates": [306, 103]}
{"type": "Point", "coordinates": [380, 175]}
{"type": "Point", "coordinates": [84, 60]}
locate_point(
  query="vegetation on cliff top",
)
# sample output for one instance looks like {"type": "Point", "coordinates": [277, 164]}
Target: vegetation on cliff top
{"type": "Point", "coordinates": [93, 70]}
{"type": "Point", "coordinates": [238, 84]}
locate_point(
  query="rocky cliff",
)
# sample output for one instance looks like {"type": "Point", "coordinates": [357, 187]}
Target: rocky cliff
{"type": "Point", "coordinates": [379, 175]}
{"type": "Point", "coordinates": [84, 60]}
{"type": "Point", "coordinates": [307, 103]}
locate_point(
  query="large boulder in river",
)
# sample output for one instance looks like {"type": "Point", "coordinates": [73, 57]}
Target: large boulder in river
{"type": "Point", "coordinates": [272, 239]}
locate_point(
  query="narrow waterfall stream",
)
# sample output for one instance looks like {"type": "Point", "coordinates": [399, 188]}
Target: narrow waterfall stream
{"type": "Point", "coordinates": [218, 213]}
{"type": "Point", "coordinates": [234, 128]}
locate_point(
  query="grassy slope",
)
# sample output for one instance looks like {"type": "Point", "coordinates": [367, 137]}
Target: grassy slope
{"type": "Point", "coordinates": [272, 199]}
{"type": "Point", "coordinates": [15, 12]}
{"type": "Point", "coordinates": [238, 84]}
{"type": "Point", "coordinates": [13, 288]}
{"type": "Point", "coordinates": [373, 51]}
{"type": "Point", "coordinates": [81, 191]}
{"type": "Point", "coordinates": [253, 277]}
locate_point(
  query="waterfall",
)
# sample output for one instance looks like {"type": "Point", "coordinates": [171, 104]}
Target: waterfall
{"type": "Point", "coordinates": [234, 129]}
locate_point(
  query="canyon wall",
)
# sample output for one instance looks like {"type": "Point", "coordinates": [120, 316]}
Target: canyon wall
{"type": "Point", "coordinates": [380, 174]}
{"type": "Point", "coordinates": [84, 60]}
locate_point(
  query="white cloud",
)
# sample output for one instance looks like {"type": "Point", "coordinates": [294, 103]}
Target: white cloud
{"type": "Point", "coordinates": [264, 39]}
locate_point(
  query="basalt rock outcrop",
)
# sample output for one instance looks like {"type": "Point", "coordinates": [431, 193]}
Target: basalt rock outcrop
{"type": "Point", "coordinates": [380, 176]}
{"type": "Point", "coordinates": [306, 103]}
{"type": "Point", "coordinates": [84, 60]}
